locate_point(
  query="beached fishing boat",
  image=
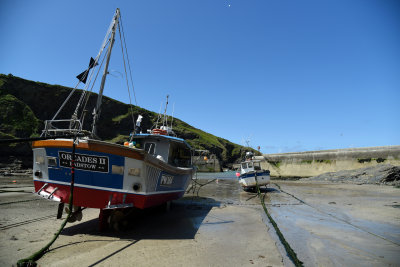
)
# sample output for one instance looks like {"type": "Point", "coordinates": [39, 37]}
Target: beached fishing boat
{"type": "Point", "coordinates": [251, 173]}
{"type": "Point", "coordinates": [150, 169]}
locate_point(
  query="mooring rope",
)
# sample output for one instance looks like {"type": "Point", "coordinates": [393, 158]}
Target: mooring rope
{"type": "Point", "coordinates": [290, 252]}
{"type": "Point", "coordinates": [31, 261]}
{"type": "Point", "coordinates": [194, 188]}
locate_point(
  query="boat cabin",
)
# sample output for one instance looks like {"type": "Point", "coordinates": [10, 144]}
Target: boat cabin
{"type": "Point", "coordinates": [172, 150]}
{"type": "Point", "coordinates": [248, 166]}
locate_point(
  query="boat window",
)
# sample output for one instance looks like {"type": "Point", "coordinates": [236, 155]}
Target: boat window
{"type": "Point", "coordinates": [257, 166]}
{"type": "Point", "coordinates": [250, 165]}
{"type": "Point", "coordinates": [244, 165]}
{"type": "Point", "coordinates": [150, 148]}
{"type": "Point", "coordinates": [179, 155]}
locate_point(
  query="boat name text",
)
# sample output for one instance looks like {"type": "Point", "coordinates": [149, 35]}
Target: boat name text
{"type": "Point", "coordinates": [84, 162]}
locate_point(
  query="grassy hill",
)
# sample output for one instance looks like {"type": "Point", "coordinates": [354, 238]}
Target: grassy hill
{"type": "Point", "coordinates": [25, 105]}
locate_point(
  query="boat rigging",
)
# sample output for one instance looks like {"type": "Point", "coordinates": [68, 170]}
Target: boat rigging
{"type": "Point", "coordinates": [150, 169]}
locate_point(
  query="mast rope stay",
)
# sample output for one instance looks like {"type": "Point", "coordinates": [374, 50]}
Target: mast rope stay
{"type": "Point", "coordinates": [126, 75]}
{"type": "Point", "coordinates": [155, 126]}
{"type": "Point", "coordinates": [95, 63]}
{"type": "Point", "coordinates": [80, 112]}
{"type": "Point", "coordinates": [127, 57]}
{"type": "Point", "coordinates": [97, 109]}
{"type": "Point", "coordinates": [85, 89]}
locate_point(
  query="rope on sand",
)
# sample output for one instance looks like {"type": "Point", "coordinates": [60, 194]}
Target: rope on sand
{"type": "Point", "coordinates": [290, 252]}
{"type": "Point", "coordinates": [31, 261]}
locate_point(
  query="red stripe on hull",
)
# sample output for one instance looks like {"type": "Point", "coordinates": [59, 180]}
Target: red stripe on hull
{"type": "Point", "coordinates": [95, 198]}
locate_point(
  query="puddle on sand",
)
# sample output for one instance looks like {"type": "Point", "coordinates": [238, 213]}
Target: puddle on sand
{"type": "Point", "coordinates": [225, 189]}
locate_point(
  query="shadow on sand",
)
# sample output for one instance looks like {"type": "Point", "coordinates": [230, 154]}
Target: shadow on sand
{"type": "Point", "coordinates": [181, 222]}
{"type": "Point", "coordinates": [262, 190]}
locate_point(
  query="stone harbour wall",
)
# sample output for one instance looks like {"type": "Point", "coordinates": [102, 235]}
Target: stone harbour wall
{"type": "Point", "coordinates": [206, 164]}
{"type": "Point", "coordinates": [312, 163]}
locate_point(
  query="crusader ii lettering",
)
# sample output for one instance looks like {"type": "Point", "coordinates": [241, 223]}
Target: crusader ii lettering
{"type": "Point", "coordinates": [84, 162]}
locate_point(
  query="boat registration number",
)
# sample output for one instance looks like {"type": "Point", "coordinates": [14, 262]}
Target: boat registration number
{"type": "Point", "coordinates": [166, 179]}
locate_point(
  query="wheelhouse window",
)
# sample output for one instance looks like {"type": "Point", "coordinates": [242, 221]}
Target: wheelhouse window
{"type": "Point", "coordinates": [257, 166]}
{"type": "Point", "coordinates": [179, 155]}
{"type": "Point", "coordinates": [248, 165]}
{"type": "Point", "coordinates": [150, 148]}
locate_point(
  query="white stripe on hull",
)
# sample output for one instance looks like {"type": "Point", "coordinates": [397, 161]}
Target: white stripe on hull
{"type": "Point", "coordinates": [108, 189]}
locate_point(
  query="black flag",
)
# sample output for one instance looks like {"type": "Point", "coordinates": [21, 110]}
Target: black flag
{"type": "Point", "coordinates": [83, 76]}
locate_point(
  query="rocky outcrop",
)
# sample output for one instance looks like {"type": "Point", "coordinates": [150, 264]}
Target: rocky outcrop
{"type": "Point", "coordinates": [380, 174]}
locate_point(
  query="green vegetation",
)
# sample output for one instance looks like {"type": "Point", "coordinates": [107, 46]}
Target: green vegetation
{"type": "Point", "coordinates": [378, 160]}
{"type": "Point", "coordinates": [276, 164]}
{"type": "Point", "coordinates": [327, 161]}
{"type": "Point", "coordinates": [6, 136]}
{"type": "Point", "coordinates": [120, 139]}
{"type": "Point", "coordinates": [25, 105]}
{"type": "Point", "coordinates": [120, 117]}
{"type": "Point", "coordinates": [16, 118]}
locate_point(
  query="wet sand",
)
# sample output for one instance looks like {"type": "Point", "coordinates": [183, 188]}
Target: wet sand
{"type": "Point", "coordinates": [339, 224]}
{"type": "Point", "coordinates": [219, 225]}
{"type": "Point", "coordinates": [197, 231]}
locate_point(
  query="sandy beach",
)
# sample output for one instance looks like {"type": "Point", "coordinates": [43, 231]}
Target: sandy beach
{"type": "Point", "coordinates": [326, 224]}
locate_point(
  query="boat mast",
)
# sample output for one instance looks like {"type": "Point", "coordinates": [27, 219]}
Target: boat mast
{"type": "Point", "coordinates": [165, 123]}
{"type": "Point", "coordinates": [97, 110]}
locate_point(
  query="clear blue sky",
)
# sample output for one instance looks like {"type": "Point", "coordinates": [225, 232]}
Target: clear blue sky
{"type": "Point", "coordinates": [287, 75]}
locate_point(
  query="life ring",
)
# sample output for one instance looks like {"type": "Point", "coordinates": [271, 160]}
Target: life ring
{"type": "Point", "coordinates": [159, 131]}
